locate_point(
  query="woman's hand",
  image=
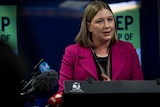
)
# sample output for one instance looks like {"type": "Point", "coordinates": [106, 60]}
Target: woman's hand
{"type": "Point", "coordinates": [105, 77]}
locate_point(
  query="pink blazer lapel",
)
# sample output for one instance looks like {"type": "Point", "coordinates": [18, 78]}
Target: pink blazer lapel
{"type": "Point", "coordinates": [118, 61]}
{"type": "Point", "coordinates": [87, 62]}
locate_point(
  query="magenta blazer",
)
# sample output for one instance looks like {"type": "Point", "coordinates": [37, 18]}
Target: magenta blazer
{"type": "Point", "coordinates": [78, 63]}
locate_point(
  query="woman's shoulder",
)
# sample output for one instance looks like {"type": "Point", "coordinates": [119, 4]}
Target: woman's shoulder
{"type": "Point", "coordinates": [73, 46]}
{"type": "Point", "coordinates": [77, 48]}
{"type": "Point", "coordinates": [124, 43]}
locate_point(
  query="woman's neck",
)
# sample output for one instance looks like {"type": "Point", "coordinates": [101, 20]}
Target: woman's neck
{"type": "Point", "coordinates": [101, 49]}
{"type": "Point", "coordinates": [101, 52]}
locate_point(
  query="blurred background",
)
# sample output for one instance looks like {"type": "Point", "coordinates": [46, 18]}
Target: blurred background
{"type": "Point", "coordinates": [43, 28]}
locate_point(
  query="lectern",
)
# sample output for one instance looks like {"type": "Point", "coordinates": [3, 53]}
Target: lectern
{"type": "Point", "coordinates": [111, 93]}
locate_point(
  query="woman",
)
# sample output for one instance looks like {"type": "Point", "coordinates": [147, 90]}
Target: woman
{"type": "Point", "coordinates": [98, 53]}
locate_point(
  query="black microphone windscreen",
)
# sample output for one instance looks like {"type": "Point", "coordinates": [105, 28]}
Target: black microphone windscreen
{"type": "Point", "coordinates": [45, 82]}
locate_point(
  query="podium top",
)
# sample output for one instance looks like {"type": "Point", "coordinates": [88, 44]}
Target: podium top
{"type": "Point", "coordinates": [92, 93]}
{"type": "Point", "coordinates": [120, 86]}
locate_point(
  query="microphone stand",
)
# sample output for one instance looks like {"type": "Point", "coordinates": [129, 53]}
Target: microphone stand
{"type": "Point", "coordinates": [31, 95]}
{"type": "Point", "coordinates": [32, 100]}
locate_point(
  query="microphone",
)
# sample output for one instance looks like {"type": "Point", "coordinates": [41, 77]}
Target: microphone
{"type": "Point", "coordinates": [43, 67]}
{"type": "Point", "coordinates": [44, 82]}
{"type": "Point", "coordinates": [55, 100]}
{"type": "Point", "coordinates": [24, 84]}
{"type": "Point", "coordinates": [28, 91]}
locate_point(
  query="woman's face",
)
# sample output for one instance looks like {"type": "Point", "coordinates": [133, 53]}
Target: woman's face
{"type": "Point", "coordinates": [102, 26]}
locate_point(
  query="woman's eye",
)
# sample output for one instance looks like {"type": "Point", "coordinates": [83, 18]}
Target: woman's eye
{"type": "Point", "coordinates": [110, 19]}
{"type": "Point", "coordinates": [99, 21]}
